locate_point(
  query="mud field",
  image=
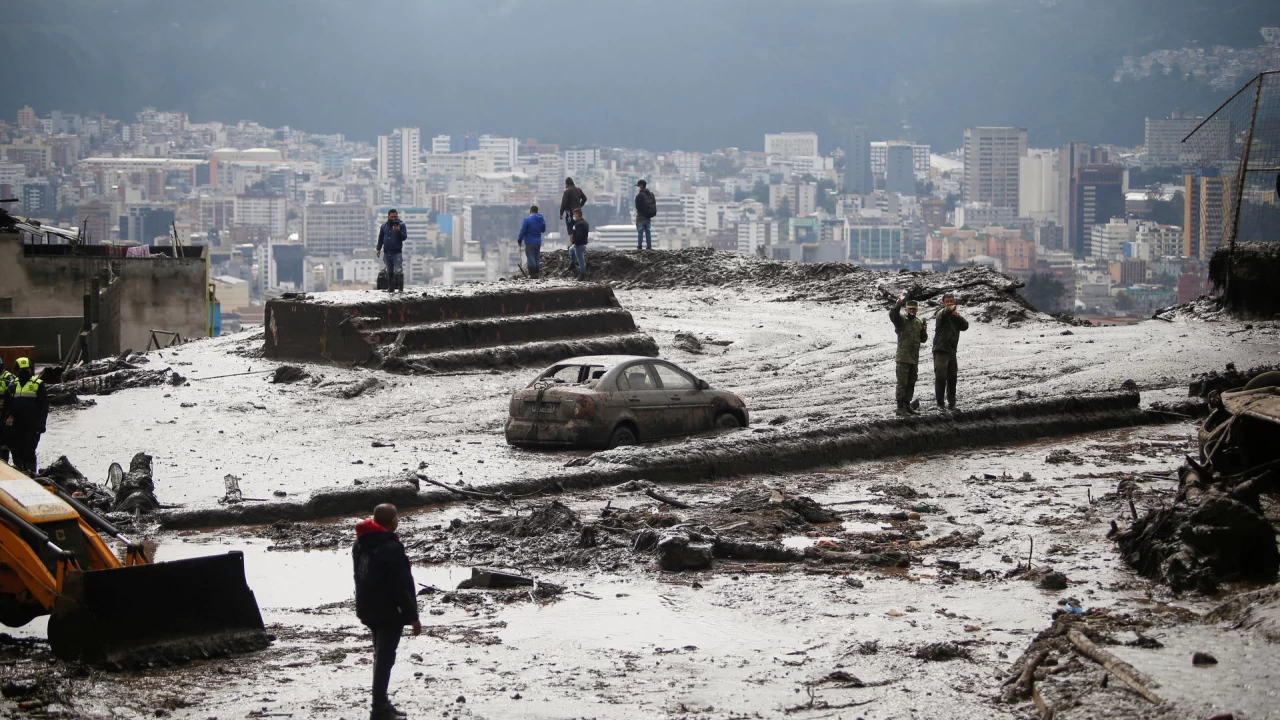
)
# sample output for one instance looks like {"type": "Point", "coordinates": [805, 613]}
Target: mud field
{"type": "Point", "coordinates": [921, 583]}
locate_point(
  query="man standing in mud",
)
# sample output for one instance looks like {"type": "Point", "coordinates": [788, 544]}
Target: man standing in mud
{"type": "Point", "coordinates": [947, 327]}
{"type": "Point", "coordinates": [911, 334]}
{"type": "Point", "coordinates": [386, 599]}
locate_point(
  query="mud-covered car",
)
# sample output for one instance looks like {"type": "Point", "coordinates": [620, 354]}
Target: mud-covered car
{"type": "Point", "coordinates": [612, 400]}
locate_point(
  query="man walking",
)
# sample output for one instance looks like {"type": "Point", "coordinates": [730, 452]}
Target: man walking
{"type": "Point", "coordinates": [573, 199]}
{"type": "Point", "coordinates": [386, 598]}
{"type": "Point", "coordinates": [946, 337]}
{"type": "Point", "coordinates": [530, 237]}
{"type": "Point", "coordinates": [23, 413]}
{"type": "Point", "coordinates": [646, 211]}
{"type": "Point", "coordinates": [391, 238]}
{"type": "Point", "coordinates": [578, 248]}
{"type": "Point", "coordinates": [911, 333]}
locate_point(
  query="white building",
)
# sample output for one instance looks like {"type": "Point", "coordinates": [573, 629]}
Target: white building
{"type": "Point", "coordinates": [992, 158]}
{"type": "Point", "coordinates": [398, 154]}
{"type": "Point", "coordinates": [1164, 139]}
{"type": "Point", "coordinates": [441, 145]}
{"type": "Point", "coordinates": [463, 272]}
{"type": "Point", "coordinates": [362, 270]}
{"type": "Point", "coordinates": [756, 234]}
{"type": "Point", "coordinates": [1038, 185]}
{"type": "Point", "coordinates": [981, 215]}
{"type": "Point", "coordinates": [614, 237]}
{"type": "Point", "coordinates": [578, 162]}
{"type": "Point", "coordinates": [1164, 240]}
{"type": "Point", "coordinates": [504, 151]}
{"type": "Point", "coordinates": [1106, 241]}
{"type": "Point", "coordinates": [920, 156]}
{"type": "Point", "coordinates": [688, 164]}
{"type": "Point", "coordinates": [266, 211]}
{"type": "Point", "coordinates": [334, 228]}
{"type": "Point", "coordinates": [791, 144]}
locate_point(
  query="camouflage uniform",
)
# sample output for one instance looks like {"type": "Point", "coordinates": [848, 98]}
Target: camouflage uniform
{"type": "Point", "coordinates": [911, 333]}
{"type": "Point", "coordinates": [946, 336]}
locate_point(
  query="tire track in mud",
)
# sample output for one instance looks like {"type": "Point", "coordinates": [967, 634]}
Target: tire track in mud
{"type": "Point", "coordinates": [740, 453]}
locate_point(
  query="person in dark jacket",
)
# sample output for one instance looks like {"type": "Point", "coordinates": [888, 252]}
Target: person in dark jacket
{"type": "Point", "coordinates": [386, 598]}
{"type": "Point", "coordinates": [911, 334]}
{"type": "Point", "coordinates": [573, 199]}
{"type": "Point", "coordinates": [530, 237]}
{"type": "Point", "coordinates": [578, 246]}
{"type": "Point", "coordinates": [23, 412]}
{"type": "Point", "coordinates": [391, 239]}
{"type": "Point", "coordinates": [646, 211]}
{"type": "Point", "coordinates": [947, 327]}
{"type": "Point", "coordinates": [6, 379]}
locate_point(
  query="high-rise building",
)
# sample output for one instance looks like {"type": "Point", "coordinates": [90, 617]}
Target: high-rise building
{"type": "Point", "coordinates": [992, 157]}
{"type": "Point", "coordinates": [791, 144]}
{"type": "Point", "coordinates": [1204, 206]}
{"type": "Point", "coordinates": [1072, 157]}
{"type": "Point", "coordinates": [857, 164]}
{"type": "Point", "coordinates": [1097, 196]}
{"type": "Point", "coordinates": [441, 145]}
{"type": "Point", "coordinates": [1106, 240]}
{"type": "Point", "coordinates": [880, 156]}
{"type": "Point", "coordinates": [577, 162]}
{"type": "Point", "coordinates": [1038, 185]}
{"type": "Point", "coordinates": [398, 154]}
{"type": "Point", "coordinates": [503, 149]}
{"type": "Point", "coordinates": [144, 223]}
{"type": "Point", "coordinates": [1164, 139]}
{"type": "Point", "coordinates": [27, 118]}
{"type": "Point", "coordinates": [265, 211]}
{"type": "Point", "coordinates": [333, 228]}
{"type": "Point", "coordinates": [900, 170]}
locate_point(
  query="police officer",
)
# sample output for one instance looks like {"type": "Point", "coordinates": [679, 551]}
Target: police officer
{"type": "Point", "coordinates": [23, 413]}
{"type": "Point", "coordinates": [946, 337]}
{"type": "Point", "coordinates": [6, 379]}
{"type": "Point", "coordinates": [911, 333]}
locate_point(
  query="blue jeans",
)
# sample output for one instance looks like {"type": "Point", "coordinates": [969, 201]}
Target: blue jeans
{"type": "Point", "coordinates": [643, 235]}
{"type": "Point", "coordinates": [533, 253]}
{"type": "Point", "coordinates": [394, 262]}
{"type": "Point", "coordinates": [578, 254]}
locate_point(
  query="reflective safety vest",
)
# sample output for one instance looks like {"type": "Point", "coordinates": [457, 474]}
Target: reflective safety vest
{"type": "Point", "coordinates": [7, 378]}
{"type": "Point", "coordinates": [29, 390]}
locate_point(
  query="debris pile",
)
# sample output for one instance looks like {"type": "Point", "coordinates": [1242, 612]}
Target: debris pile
{"type": "Point", "coordinates": [1252, 269]}
{"type": "Point", "coordinates": [1228, 379]}
{"type": "Point", "coordinates": [1216, 529]}
{"type": "Point", "coordinates": [988, 295]}
{"type": "Point", "coordinates": [130, 492]}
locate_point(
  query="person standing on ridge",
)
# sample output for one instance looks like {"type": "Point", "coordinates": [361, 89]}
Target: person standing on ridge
{"type": "Point", "coordinates": [911, 334]}
{"type": "Point", "coordinates": [646, 211]}
{"type": "Point", "coordinates": [23, 412]}
{"type": "Point", "coordinates": [947, 327]}
{"type": "Point", "coordinates": [530, 237]}
{"type": "Point", "coordinates": [391, 239]}
{"type": "Point", "coordinates": [386, 598]}
{"type": "Point", "coordinates": [573, 199]}
{"type": "Point", "coordinates": [578, 250]}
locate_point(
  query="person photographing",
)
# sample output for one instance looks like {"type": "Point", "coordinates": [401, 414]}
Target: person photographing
{"type": "Point", "coordinates": [391, 239]}
{"type": "Point", "coordinates": [947, 326]}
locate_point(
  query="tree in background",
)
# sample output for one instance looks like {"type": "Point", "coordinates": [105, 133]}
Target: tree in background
{"type": "Point", "coordinates": [1124, 302]}
{"type": "Point", "coordinates": [1044, 291]}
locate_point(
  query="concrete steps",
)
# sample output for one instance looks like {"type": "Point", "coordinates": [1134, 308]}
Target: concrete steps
{"type": "Point", "coordinates": [448, 327]}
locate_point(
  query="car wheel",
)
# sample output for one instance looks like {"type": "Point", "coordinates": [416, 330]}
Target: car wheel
{"type": "Point", "coordinates": [727, 421]}
{"type": "Point", "coordinates": [622, 436]}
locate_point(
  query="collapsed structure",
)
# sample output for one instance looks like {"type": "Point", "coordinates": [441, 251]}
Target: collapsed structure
{"type": "Point", "coordinates": [455, 326]}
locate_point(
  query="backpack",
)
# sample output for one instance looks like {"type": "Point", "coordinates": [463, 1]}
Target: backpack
{"type": "Point", "coordinates": [650, 204]}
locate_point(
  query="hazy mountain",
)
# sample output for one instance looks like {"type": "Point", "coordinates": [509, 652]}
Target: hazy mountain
{"type": "Point", "coordinates": [694, 74]}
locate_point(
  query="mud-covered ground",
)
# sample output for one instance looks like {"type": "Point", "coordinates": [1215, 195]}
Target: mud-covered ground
{"type": "Point", "coordinates": [798, 364]}
{"type": "Point", "coordinates": [606, 634]}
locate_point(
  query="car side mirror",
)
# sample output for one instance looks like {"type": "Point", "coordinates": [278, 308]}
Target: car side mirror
{"type": "Point", "coordinates": [704, 385]}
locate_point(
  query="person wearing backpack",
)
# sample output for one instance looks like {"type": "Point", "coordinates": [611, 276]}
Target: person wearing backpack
{"type": "Point", "coordinates": [531, 238]}
{"type": "Point", "coordinates": [646, 210]}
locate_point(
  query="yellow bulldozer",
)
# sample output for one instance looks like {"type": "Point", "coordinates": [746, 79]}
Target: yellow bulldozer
{"type": "Point", "coordinates": [108, 610]}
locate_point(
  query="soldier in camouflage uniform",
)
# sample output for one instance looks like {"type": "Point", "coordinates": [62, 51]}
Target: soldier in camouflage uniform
{"type": "Point", "coordinates": [946, 336]}
{"type": "Point", "coordinates": [911, 333]}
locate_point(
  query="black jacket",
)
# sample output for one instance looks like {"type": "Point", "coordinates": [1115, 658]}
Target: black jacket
{"type": "Point", "coordinates": [946, 332]}
{"type": "Point", "coordinates": [580, 230]}
{"type": "Point", "coordinates": [392, 239]}
{"type": "Point", "coordinates": [646, 204]}
{"type": "Point", "coordinates": [385, 593]}
{"type": "Point", "coordinates": [29, 412]}
{"type": "Point", "coordinates": [573, 199]}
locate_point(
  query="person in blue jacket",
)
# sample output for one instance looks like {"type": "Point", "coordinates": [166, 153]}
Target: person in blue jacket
{"type": "Point", "coordinates": [531, 238]}
{"type": "Point", "coordinates": [391, 239]}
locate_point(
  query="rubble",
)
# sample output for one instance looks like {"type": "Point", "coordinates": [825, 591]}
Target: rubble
{"type": "Point", "coordinates": [288, 374]}
{"type": "Point", "coordinates": [1252, 268]}
{"type": "Point", "coordinates": [123, 379]}
{"type": "Point", "coordinates": [132, 492]}
{"type": "Point", "coordinates": [1229, 378]}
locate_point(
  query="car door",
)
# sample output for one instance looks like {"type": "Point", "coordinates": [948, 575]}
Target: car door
{"type": "Point", "coordinates": [645, 399]}
{"type": "Point", "coordinates": [689, 409]}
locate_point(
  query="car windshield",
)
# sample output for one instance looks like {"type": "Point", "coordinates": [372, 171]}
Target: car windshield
{"type": "Point", "coordinates": [571, 374]}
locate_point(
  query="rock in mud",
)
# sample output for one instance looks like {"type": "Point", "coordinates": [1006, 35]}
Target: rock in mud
{"type": "Point", "coordinates": [1229, 378]}
{"type": "Point", "coordinates": [810, 510]}
{"type": "Point", "coordinates": [288, 374]}
{"type": "Point", "coordinates": [354, 391]}
{"type": "Point", "coordinates": [688, 342]}
{"type": "Point", "coordinates": [678, 551]}
{"type": "Point", "coordinates": [1053, 581]}
{"type": "Point", "coordinates": [940, 652]}
{"type": "Point", "coordinates": [1063, 455]}
{"type": "Point", "coordinates": [1202, 659]}
{"type": "Point", "coordinates": [483, 578]}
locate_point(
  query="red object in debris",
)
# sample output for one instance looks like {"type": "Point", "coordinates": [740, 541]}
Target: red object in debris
{"type": "Point", "coordinates": [829, 544]}
{"type": "Point", "coordinates": [77, 494]}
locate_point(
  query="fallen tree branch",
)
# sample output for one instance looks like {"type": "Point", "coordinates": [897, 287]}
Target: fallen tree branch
{"type": "Point", "coordinates": [1028, 676]}
{"type": "Point", "coordinates": [666, 499]}
{"type": "Point", "coordinates": [464, 493]}
{"type": "Point", "coordinates": [1121, 669]}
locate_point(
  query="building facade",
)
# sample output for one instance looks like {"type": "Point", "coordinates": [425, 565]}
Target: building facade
{"type": "Point", "coordinates": [992, 165]}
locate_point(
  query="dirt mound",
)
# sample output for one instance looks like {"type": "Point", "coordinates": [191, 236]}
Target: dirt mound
{"type": "Point", "coordinates": [1252, 269]}
{"type": "Point", "coordinates": [555, 517]}
{"type": "Point", "coordinates": [988, 295]}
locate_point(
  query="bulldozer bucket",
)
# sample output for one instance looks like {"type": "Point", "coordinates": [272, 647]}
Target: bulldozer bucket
{"type": "Point", "coordinates": [158, 613]}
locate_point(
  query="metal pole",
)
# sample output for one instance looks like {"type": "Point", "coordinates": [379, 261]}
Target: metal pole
{"type": "Point", "coordinates": [1240, 180]}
